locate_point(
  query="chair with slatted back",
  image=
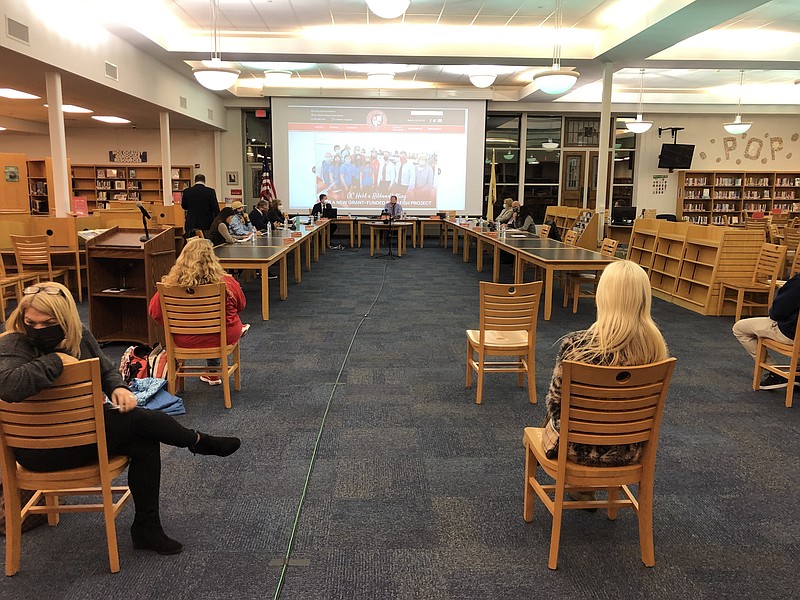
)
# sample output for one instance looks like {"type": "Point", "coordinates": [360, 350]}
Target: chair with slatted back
{"type": "Point", "coordinates": [69, 413]}
{"type": "Point", "coordinates": [544, 231]}
{"type": "Point", "coordinates": [32, 253]}
{"type": "Point", "coordinates": [758, 290]}
{"type": "Point", "coordinates": [571, 237]}
{"type": "Point", "coordinates": [578, 279]}
{"type": "Point", "coordinates": [508, 315]}
{"type": "Point", "coordinates": [775, 236]}
{"type": "Point", "coordinates": [791, 239]}
{"type": "Point", "coordinates": [198, 310]}
{"type": "Point", "coordinates": [603, 406]}
{"type": "Point", "coordinates": [789, 371]}
{"type": "Point", "coordinates": [11, 286]}
{"type": "Point", "coordinates": [756, 224]}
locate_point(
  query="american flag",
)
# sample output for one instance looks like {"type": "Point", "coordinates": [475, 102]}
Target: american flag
{"type": "Point", "coordinates": [267, 189]}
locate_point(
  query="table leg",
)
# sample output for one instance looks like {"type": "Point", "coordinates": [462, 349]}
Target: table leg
{"type": "Point", "coordinates": [414, 234]}
{"type": "Point", "coordinates": [351, 233]}
{"type": "Point", "coordinates": [308, 253]}
{"type": "Point", "coordinates": [421, 234]}
{"type": "Point", "coordinates": [466, 247]}
{"type": "Point", "coordinates": [284, 277]}
{"type": "Point", "coordinates": [519, 265]}
{"type": "Point", "coordinates": [298, 277]}
{"type": "Point", "coordinates": [358, 227]}
{"type": "Point", "coordinates": [265, 292]}
{"type": "Point", "coordinates": [455, 239]}
{"type": "Point", "coordinates": [372, 241]}
{"type": "Point", "coordinates": [496, 264]}
{"type": "Point", "coordinates": [479, 258]}
{"type": "Point", "coordinates": [548, 292]}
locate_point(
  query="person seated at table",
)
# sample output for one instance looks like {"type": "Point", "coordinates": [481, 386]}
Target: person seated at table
{"type": "Point", "coordinates": [779, 326]}
{"type": "Point", "coordinates": [276, 217]}
{"type": "Point", "coordinates": [258, 216]}
{"type": "Point", "coordinates": [623, 334]}
{"type": "Point", "coordinates": [525, 219]}
{"type": "Point", "coordinates": [240, 223]}
{"type": "Point", "coordinates": [220, 232]}
{"type": "Point", "coordinates": [505, 214]}
{"type": "Point", "coordinates": [392, 209]}
{"type": "Point", "coordinates": [319, 209]}
{"type": "Point", "coordinates": [43, 334]}
{"type": "Point", "coordinates": [510, 218]}
{"type": "Point", "coordinates": [198, 265]}
{"type": "Point", "coordinates": [554, 234]}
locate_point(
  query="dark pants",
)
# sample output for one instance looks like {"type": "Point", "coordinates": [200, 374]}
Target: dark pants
{"type": "Point", "coordinates": [138, 435]}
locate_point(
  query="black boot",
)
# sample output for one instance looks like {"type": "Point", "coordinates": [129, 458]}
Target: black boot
{"type": "Point", "coordinates": [147, 534]}
{"type": "Point", "coordinates": [214, 445]}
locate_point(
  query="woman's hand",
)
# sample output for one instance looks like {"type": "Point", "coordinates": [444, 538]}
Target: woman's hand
{"type": "Point", "coordinates": [123, 399]}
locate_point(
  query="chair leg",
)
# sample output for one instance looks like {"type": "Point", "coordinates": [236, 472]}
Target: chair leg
{"type": "Point", "coordinates": [13, 530]}
{"type": "Point", "coordinates": [529, 496]}
{"type": "Point", "coordinates": [111, 529]}
{"type": "Point", "coordinates": [761, 355]}
{"type": "Point", "coordinates": [470, 356]}
{"type": "Point", "coordinates": [531, 372]}
{"type": "Point", "coordinates": [566, 294]}
{"type": "Point", "coordinates": [555, 533]}
{"type": "Point", "coordinates": [790, 388]}
{"type": "Point", "coordinates": [739, 304]}
{"type": "Point", "coordinates": [521, 371]}
{"type": "Point", "coordinates": [613, 495]}
{"type": "Point", "coordinates": [226, 381]}
{"type": "Point", "coordinates": [576, 294]}
{"type": "Point", "coordinates": [479, 397]}
{"type": "Point", "coordinates": [51, 500]}
{"type": "Point", "coordinates": [645, 514]}
{"type": "Point", "coordinates": [237, 375]}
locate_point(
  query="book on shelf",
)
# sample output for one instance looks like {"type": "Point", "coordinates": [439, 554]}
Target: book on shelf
{"type": "Point", "coordinates": [131, 173]}
{"type": "Point", "coordinates": [176, 173]}
{"type": "Point", "coordinates": [111, 173]}
{"type": "Point", "coordinates": [80, 206]}
{"type": "Point", "coordinates": [119, 184]}
{"type": "Point", "coordinates": [101, 173]}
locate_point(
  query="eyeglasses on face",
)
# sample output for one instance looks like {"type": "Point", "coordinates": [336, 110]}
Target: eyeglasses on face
{"type": "Point", "coordinates": [47, 289]}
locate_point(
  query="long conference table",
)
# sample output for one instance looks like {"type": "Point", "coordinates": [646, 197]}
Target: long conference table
{"type": "Point", "coordinates": [264, 251]}
{"type": "Point", "coordinates": [527, 249]}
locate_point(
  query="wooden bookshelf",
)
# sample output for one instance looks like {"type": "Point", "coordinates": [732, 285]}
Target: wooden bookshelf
{"type": "Point", "coordinates": [40, 186]}
{"type": "Point", "coordinates": [643, 242]}
{"type": "Point", "coordinates": [106, 186]}
{"type": "Point", "coordinates": [726, 197]}
{"type": "Point", "coordinates": [666, 261]}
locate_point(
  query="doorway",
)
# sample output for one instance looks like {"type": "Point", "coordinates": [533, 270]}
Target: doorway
{"type": "Point", "coordinates": [579, 178]}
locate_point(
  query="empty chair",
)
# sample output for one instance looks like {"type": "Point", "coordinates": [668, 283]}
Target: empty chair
{"type": "Point", "coordinates": [577, 280]}
{"type": "Point", "coordinates": [32, 253]}
{"type": "Point", "coordinates": [759, 224]}
{"type": "Point", "coordinates": [544, 231]}
{"type": "Point", "coordinates": [67, 414]}
{"type": "Point", "coordinates": [198, 310]}
{"type": "Point", "coordinates": [508, 314]}
{"type": "Point", "coordinates": [571, 237]}
{"type": "Point", "coordinates": [758, 290]}
{"type": "Point", "coordinates": [11, 286]}
{"type": "Point", "coordinates": [603, 406]}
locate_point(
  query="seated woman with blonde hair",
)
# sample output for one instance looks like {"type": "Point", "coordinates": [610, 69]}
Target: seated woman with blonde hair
{"type": "Point", "coordinates": [624, 334]}
{"type": "Point", "coordinates": [198, 265]}
{"type": "Point", "coordinates": [43, 334]}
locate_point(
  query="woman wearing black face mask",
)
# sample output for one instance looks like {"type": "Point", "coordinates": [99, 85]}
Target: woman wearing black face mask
{"type": "Point", "coordinates": [42, 335]}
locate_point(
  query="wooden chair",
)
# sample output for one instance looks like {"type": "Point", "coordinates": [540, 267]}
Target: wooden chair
{"type": "Point", "coordinates": [775, 236]}
{"type": "Point", "coordinates": [790, 371]}
{"type": "Point", "coordinates": [11, 286]}
{"type": "Point", "coordinates": [756, 224]}
{"type": "Point", "coordinates": [32, 253]}
{"type": "Point", "coordinates": [544, 231]}
{"type": "Point", "coordinates": [576, 280]}
{"type": "Point", "coordinates": [750, 293]}
{"type": "Point", "coordinates": [507, 328]}
{"type": "Point", "coordinates": [601, 406]}
{"type": "Point", "coordinates": [69, 413]}
{"type": "Point", "coordinates": [200, 311]}
{"type": "Point", "coordinates": [791, 239]}
{"type": "Point", "coordinates": [571, 238]}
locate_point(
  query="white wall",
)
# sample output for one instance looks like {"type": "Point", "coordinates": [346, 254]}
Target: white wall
{"type": "Point", "coordinates": [772, 144]}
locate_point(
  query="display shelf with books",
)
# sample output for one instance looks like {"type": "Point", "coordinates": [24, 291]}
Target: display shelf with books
{"type": "Point", "coordinates": [667, 253]}
{"type": "Point", "coordinates": [737, 194]}
{"type": "Point", "coordinates": [643, 242]}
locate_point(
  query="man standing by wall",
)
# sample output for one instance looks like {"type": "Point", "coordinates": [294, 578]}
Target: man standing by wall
{"type": "Point", "coordinates": [200, 204]}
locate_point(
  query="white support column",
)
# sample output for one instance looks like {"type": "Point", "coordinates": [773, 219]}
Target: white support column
{"type": "Point", "coordinates": [60, 192]}
{"type": "Point", "coordinates": [603, 173]}
{"type": "Point", "coordinates": [166, 159]}
{"type": "Point", "coordinates": [220, 182]}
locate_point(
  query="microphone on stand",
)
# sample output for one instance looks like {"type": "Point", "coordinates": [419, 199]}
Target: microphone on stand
{"type": "Point", "coordinates": [145, 214]}
{"type": "Point", "coordinates": [145, 217]}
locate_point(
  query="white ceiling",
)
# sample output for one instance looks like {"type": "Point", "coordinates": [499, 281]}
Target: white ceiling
{"type": "Point", "coordinates": [692, 50]}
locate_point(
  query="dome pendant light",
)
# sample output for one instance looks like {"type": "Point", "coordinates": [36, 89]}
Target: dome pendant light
{"type": "Point", "coordinates": [556, 80]}
{"type": "Point", "coordinates": [388, 9]}
{"type": "Point", "coordinates": [214, 74]}
{"type": "Point", "coordinates": [639, 126]}
{"type": "Point", "coordinates": [737, 126]}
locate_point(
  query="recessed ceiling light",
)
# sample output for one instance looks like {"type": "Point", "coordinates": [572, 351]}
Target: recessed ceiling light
{"type": "Point", "coordinates": [110, 119]}
{"type": "Point", "coordinates": [71, 108]}
{"type": "Point", "coordinates": [16, 94]}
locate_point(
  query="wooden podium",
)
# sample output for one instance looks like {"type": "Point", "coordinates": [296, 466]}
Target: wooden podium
{"type": "Point", "coordinates": [122, 273]}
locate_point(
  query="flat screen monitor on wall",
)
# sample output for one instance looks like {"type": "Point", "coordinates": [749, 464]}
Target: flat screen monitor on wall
{"type": "Point", "coordinates": [676, 156]}
{"type": "Point", "coordinates": [359, 152]}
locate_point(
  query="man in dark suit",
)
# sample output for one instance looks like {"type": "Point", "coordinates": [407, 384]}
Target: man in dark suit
{"type": "Point", "coordinates": [200, 204]}
{"type": "Point", "coordinates": [258, 216]}
{"type": "Point", "coordinates": [319, 209]}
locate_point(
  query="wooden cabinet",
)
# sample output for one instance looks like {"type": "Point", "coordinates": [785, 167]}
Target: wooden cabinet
{"type": "Point", "coordinates": [40, 184]}
{"type": "Point", "coordinates": [107, 186]}
{"type": "Point", "coordinates": [123, 272]}
{"type": "Point", "coordinates": [726, 197]}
